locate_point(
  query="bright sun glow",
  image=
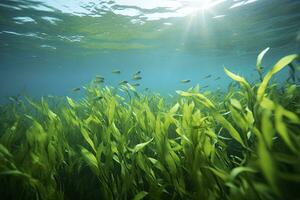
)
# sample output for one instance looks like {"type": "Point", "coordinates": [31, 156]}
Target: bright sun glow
{"type": "Point", "coordinates": [210, 4]}
{"type": "Point", "coordinates": [197, 17]}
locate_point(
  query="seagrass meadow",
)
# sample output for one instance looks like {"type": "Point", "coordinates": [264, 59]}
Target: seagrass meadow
{"type": "Point", "coordinates": [150, 100]}
{"type": "Point", "coordinates": [120, 143]}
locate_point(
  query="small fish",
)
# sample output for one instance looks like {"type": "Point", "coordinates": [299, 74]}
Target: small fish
{"type": "Point", "coordinates": [135, 84]}
{"type": "Point", "coordinates": [208, 76]}
{"type": "Point", "coordinates": [136, 78]}
{"type": "Point", "coordinates": [137, 73]}
{"type": "Point", "coordinates": [116, 72]}
{"type": "Point", "coordinates": [146, 89]}
{"type": "Point", "coordinates": [217, 78]}
{"type": "Point", "coordinates": [185, 81]}
{"type": "Point", "coordinates": [206, 86]}
{"type": "Point", "coordinates": [76, 89]}
{"type": "Point", "coordinates": [99, 77]}
{"type": "Point", "coordinates": [123, 82]}
{"type": "Point", "coordinates": [98, 98]}
{"type": "Point", "coordinates": [13, 98]}
{"type": "Point", "coordinates": [98, 80]}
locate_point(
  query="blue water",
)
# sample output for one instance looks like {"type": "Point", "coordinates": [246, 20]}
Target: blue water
{"type": "Point", "coordinates": [49, 47]}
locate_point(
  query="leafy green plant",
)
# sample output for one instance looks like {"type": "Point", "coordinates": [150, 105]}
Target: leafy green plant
{"type": "Point", "coordinates": [134, 145]}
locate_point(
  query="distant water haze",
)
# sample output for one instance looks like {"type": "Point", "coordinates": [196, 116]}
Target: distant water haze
{"type": "Point", "coordinates": [160, 71]}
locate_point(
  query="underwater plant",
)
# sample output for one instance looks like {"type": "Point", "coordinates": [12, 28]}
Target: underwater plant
{"type": "Point", "coordinates": [239, 144]}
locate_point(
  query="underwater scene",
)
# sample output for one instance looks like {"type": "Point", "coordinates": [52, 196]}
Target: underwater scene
{"type": "Point", "coordinates": [150, 99]}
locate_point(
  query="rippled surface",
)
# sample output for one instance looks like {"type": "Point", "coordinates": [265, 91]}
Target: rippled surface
{"type": "Point", "coordinates": [195, 26]}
